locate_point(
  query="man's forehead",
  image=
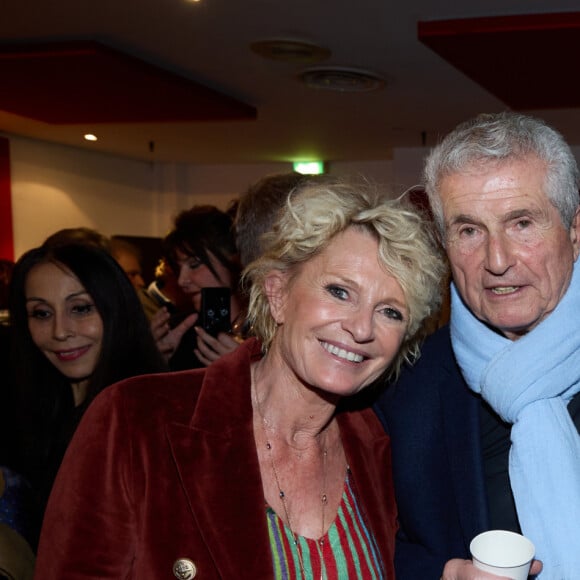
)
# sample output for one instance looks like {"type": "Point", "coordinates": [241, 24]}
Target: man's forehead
{"type": "Point", "coordinates": [494, 175]}
{"type": "Point", "coordinates": [482, 165]}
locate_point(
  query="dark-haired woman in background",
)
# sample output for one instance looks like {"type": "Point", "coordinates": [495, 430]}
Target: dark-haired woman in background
{"type": "Point", "coordinates": [201, 251]}
{"type": "Point", "coordinates": [77, 326]}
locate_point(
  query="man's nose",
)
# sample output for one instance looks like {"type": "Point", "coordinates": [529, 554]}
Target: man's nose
{"type": "Point", "coordinates": [499, 254]}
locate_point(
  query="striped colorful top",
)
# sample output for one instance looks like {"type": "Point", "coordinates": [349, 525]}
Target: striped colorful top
{"type": "Point", "coordinates": [348, 549]}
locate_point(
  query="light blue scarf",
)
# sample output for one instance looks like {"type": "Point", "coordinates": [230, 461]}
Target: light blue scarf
{"type": "Point", "coordinates": [529, 383]}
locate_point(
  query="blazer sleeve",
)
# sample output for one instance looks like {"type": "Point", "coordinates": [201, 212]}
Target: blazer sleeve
{"type": "Point", "coordinates": [413, 561]}
{"type": "Point", "coordinates": [83, 537]}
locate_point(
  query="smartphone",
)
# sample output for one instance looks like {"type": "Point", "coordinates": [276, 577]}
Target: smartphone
{"type": "Point", "coordinates": [215, 315]}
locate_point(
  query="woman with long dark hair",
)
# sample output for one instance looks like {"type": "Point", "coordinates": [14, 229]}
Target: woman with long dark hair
{"type": "Point", "coordinates": [77, 327]}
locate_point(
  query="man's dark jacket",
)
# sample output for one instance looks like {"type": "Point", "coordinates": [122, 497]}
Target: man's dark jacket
{"type": "Point", "coordinates": [434, 423]}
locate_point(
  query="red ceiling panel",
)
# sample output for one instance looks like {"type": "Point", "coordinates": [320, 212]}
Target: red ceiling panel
{"type": "Point", "coordinates": [88, 82]}
{"type": "Point", "coordinates": [527, 61]}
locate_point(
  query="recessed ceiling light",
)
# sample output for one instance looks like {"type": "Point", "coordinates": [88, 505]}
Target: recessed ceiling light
{"type": "Point", "coordinates": [342, 79]}
{"type": "Point", "coordinates": [90, 137]}
{"type": "Point", "coordinates": [290, 50]}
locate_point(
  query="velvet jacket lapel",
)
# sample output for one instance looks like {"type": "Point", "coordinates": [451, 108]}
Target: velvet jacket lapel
{"type": "Point", "coordinates": [217, 461]}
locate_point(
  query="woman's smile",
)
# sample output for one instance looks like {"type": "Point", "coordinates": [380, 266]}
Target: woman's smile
{"type": "Point", "coordinates": [71, 354]}
{"type": "Point", "coordinates": [342, 353]}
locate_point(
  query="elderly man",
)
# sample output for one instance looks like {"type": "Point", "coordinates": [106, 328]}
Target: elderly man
{"type": "Point", "coordinates": [485, 427]}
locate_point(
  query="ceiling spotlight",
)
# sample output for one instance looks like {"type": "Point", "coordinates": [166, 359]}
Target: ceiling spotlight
{"type": "Point", "coordinates": [290, 51]}
{"type": "Point", "coordinates": [90, 137]}
{"type": "Point", "coordinates": [342, 79]}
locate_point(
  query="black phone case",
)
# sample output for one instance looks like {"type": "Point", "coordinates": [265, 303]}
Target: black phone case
{"type": "Point", "coordinates": [215, 316]}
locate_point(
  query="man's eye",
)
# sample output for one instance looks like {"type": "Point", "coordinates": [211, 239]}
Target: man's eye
{"type": "Point", "coordinates": [467, 231]}
{"type": "Point", "coordinates": [337, 292]}
{"type": "Point", "coordinates": [523, 224]}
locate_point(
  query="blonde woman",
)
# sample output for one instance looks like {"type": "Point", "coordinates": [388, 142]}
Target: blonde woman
{"type": "Point", "coordinates": [263, 465]}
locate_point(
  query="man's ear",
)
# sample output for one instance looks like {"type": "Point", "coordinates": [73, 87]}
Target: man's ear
{"type": "Point", "coordinates": [575, 233]}
{"type": "Point", "coordinates": [275, 288]}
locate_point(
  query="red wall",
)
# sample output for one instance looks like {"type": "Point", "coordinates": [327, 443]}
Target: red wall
{"type": "Point", "coordinates": [6, 230]}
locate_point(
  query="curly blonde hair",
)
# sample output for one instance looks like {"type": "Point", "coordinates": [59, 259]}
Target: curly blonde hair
{"type": "Point", "coordinates": [316, 213]}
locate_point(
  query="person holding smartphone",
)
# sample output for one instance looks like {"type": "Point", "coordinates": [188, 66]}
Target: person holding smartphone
{"type": "Point", "coordinates": [201, 251]}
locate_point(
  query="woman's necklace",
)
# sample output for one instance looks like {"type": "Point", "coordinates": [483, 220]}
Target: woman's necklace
{"type": "Point", "coordinates": [283, 499]}
{"type": "Point", "coordinates": [282, 496]}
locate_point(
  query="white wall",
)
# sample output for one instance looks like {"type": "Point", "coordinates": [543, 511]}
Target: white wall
{"type": "Point", "coordinates": [56, 187]}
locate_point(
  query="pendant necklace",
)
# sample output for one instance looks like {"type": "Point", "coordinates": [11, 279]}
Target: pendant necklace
{"type": "Point", "coordinates": [282, 496]}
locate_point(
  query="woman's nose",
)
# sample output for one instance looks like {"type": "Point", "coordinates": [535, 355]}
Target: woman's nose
{"type": "Point", "coordinates": [359, 323]}
{"type": "Point", "coordinates": [62, 327]}
{"type": "Point", "coordinates": [183, 277]}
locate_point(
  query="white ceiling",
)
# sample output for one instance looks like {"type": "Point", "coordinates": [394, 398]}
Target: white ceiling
{"type": "Point", "coordinates": [209, 42]}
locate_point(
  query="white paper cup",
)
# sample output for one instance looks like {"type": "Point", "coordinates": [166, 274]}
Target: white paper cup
{"type": "Point", "coordinates": [503, 553]}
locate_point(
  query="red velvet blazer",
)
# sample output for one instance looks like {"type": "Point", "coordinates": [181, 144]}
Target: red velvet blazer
{"type": "Point", "coordinates": [165, 467]}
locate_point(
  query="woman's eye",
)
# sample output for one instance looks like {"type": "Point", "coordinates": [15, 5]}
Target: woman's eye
{"type": "Point", "coordinates": [83, 308]}
{"type": "Point", "coordinates": [393, 313]}
{"type": "Point", "coordinates": [337, 292]}
{"type": "Point", "coordinates": [39, 314]}
{"type": "Point", "coordinates": [193, 264]}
